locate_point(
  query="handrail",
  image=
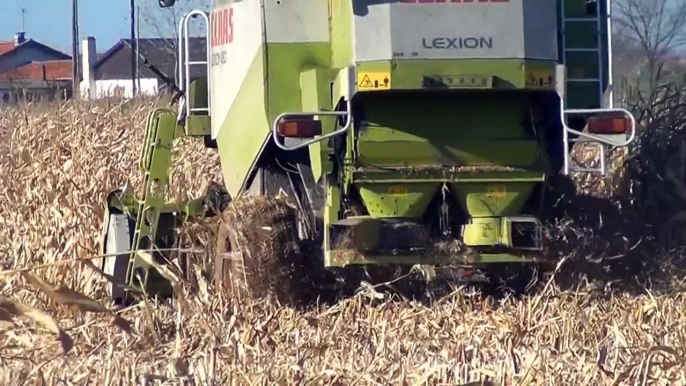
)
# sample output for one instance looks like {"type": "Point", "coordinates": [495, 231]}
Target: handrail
{"type": "Point", "coordinates": [348, 114]}
{"type": "Point", "coordinates": [180, 56]}
{"type": "Point", "coordinates": [594, 137]}
{"type": "Point", "coordinates": [184, 61]}
{"type": "Point", "coordinates": [597, 139]}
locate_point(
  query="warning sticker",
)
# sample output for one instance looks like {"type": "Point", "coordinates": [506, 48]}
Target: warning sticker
{"type": "Point", "coordinates": [369, 81]}
{"type": "Point", "coordinates": [540, 79]}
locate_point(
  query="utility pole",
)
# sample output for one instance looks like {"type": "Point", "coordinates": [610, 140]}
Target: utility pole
{"type": "Point", "coordinates": [134, 46]}
{"type": "Point", "coordinates": [138, 38]}
{"type": "Point", "coordinates": [75, 47]}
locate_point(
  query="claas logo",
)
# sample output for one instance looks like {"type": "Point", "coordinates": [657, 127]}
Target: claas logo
{"type": "Point", "coordinates": [221, 26]}
{"type": "Point", "coordinates": [451, 1]}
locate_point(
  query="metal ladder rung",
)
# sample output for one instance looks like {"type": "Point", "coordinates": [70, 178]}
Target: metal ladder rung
{"type": "Point", "coordinates": [585, 170]}
{"type": "Point", "coordinates": [192, 63]}
{"type": "Point", "coordinates": [568, 22]}
{"type": "Point", "coordinates": [583, 19]}
{"type": "Point", "coordinates": [583, 80]}
{"type": "Point", "coordinates": [582, 49]}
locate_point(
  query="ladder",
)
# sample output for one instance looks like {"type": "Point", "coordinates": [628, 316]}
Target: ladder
{"type": "Point", "coordinates": [184, 63]}
{"type": "Point", "coordinates": [602, 35]}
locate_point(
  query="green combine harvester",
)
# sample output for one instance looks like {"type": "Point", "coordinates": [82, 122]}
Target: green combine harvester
{"type": "Point", "coordinates": [406, 132]}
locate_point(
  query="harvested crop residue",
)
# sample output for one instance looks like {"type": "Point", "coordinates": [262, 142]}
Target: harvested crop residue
{"type": "Point", "coordinates": [57, 163]}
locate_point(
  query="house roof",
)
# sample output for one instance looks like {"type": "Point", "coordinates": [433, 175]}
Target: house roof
{"type": "Point", "coordinates": [160, 52]}
{"type": "Point", "coordinates": [8, 47]}
{"type": "Point", "coordinates": [48, 70]}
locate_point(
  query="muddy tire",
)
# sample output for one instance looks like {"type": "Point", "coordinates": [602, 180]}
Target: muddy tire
{"type": "Point", "coordinates": [258, 254]}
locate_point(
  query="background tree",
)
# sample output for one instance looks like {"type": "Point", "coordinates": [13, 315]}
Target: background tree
{"type": "Point", "coordinates": [650, 32]}
{"type": "Point", "coordinates": [164, 22]}
{"type": "Point", "coordinates": [648, 41]}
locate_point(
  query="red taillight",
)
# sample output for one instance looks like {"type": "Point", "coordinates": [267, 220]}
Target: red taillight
{"type": "Point", "coordinates": [608, 125]}
{"type": "Point", "coordinates": [299, 128]}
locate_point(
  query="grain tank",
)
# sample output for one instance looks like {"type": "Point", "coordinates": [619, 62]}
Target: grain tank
{"type": "Point", "coordinates": [406, 132]}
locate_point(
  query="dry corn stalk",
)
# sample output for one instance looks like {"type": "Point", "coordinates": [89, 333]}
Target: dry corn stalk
{"type": "Point", "coordinates": [58, 162]}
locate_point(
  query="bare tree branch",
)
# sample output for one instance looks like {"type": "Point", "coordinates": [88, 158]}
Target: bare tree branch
{"type": "Point", "coordinates": [164, 22]}
{"type": "Point", "coordinates": [656, 27]}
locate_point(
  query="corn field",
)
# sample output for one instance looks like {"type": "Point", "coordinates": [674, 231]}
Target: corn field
{"type": "Point", "coordinates": [592, 323]}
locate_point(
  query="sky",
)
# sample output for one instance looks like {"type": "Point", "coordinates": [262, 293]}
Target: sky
{"type": "Point", "coordinates": [49, 21]}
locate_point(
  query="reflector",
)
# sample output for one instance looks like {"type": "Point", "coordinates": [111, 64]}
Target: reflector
{"type": "Point", "coordinates": [299, 128]}
{"type": "Point", "coordinates": [608, 125]}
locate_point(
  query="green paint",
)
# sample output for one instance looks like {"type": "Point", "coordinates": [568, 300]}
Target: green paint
{"type": "Point", "coordinates": [438, 174]}
{"type": "Point", "coordinates": [402, 200]}
{"type": "Point", "coordinates": [161, 130]}
{"type": "Point", "coordinates": [341, 15]}
{"type": "Point", "coordinates": [198, 94]}
{"type": "Point", "coordinates": [487, 199]}
{"type": "Point", "coordinates": [198, 125]}
{"type": "Point", "coordinates": [316, 95]}
{"type": "Point", "coordinates": [457, 129]}
{"type": "Point", "coordinates": [483, 231]}
{"type": "Point", "coordinates": [341, 259]}
{"type": "Point", "coordinates": [244, 131]}
{"type": "Point", "coordinates": [271, 87]}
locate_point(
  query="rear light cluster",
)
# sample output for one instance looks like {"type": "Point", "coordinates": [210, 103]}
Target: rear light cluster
{"type": "Point", "coordinates": [608, 125]}
{"type": "Point", "coordinates": [299, 128]}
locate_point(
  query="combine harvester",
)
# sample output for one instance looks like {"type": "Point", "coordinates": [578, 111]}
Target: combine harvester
{"type": "Point", "coordinates": [408, 132]}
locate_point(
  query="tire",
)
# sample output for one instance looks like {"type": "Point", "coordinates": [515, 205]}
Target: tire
{"type": "Point", "coordinates": [258, 254]}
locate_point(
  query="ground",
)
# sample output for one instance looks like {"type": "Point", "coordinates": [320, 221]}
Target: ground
{"type": "Point", "coordinates": [57, 163]}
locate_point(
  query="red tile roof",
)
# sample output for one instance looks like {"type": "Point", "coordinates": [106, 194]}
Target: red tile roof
{"type": "Point", "coordinates": [6, 47]}
{"type": "Point", "coordinates": [49, 70]}
{"type": "Point", "coordinates": [58, 69]}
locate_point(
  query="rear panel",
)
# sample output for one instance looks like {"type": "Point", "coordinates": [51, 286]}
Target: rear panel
{"type": "Point", "coordinates": [451, 102]}
{"type": "Point", "coordinates": [263, 51]}
{"type": "Point", "coordinates": [496, 29]}
{"type": "Point", "coordinates": [446, 115]}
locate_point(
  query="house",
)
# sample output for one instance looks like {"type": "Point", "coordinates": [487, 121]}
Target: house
{"type": "Point", "coordinates": [37, 80]}
{"type": "Point", "coordinates": [111, 73]}
{"type": "Point", "coordinates": [21, 51]}
{"type": "Point", "coordinates": [29, 69]}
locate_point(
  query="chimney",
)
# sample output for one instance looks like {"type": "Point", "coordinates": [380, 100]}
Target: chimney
{"type": "Point", "coordinates": [88, 58]}
{"type": "Point", "coordinates": [19, 38]}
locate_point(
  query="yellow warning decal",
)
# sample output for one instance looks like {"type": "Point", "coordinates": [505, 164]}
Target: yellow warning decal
{"type": "Point", "coordinates": [370, 81]}
{"type": "Point", "coordinates": [540, 78]}
{"type": "Point", "coordinates": [497, 191]}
